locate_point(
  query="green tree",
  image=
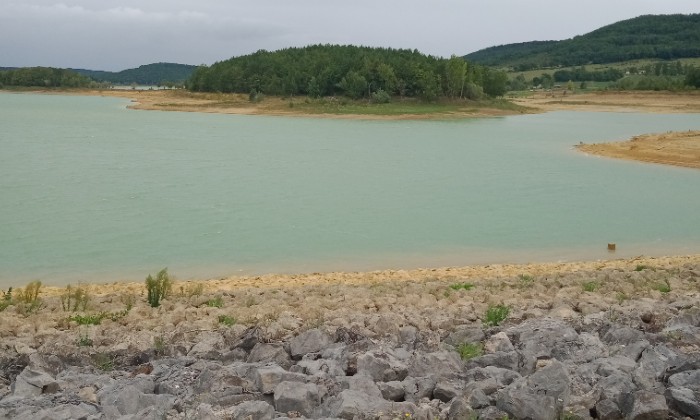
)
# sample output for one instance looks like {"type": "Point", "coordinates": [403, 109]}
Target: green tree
{"type": "Point", "coordinates": [495, 83]}
{"type": "Point", "coordinates": [692, 77]}
{"type": "Point", "coordinates": [314, 90]}
{"type": "Point", "coordinates": [455, 76]}
{"type": "Point", "coordinates": [353, 84]}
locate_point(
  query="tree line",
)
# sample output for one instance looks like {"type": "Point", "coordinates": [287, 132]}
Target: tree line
{"type": "Point", "coordinates": [664, 37]}
{"type": "Point", "coordinates": [352, 71]}
{"type": "Point", "coordinates": [44, 77]}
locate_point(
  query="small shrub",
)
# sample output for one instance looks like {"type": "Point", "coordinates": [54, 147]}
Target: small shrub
{"type": "Point", "coordinates": [6, 299]}
{"type": "Point", "coordinates": [128, 300]}
{"type": "Point", "coordinates": [621, 297]}
{"type": "Point", "coordinates": [590, 286]}
{"type": "Point", "coordinates": [84, 340]}
{"type": "Point", "coordinates": [96, 319]}
{"type": "Point", "coordinates": [92, 319]}
{"type": "Point", "coordinates": [158, 288]}
{"type": "Point", "coordinates": [250, 301]}
{"type": "Point", "coordinates": [470, 350]}
{"type": "Point", "coordinates": [74, 299]}
{"type": "Point", "coordinates": [642, 267]}
{"type": "Point", "coordinates": [103, 362]}
{"type": "Point", "coordinates": [192, 290]}
{"type": "Point", "coordinates": [664, 287]}
{"type": "Point", "coordinates": [28, 299]}
{"type": "Point", "coordinates": [159, 345]}
{"type": "Point", "coordinates": [381, 97]}
{"type": "Point", "coordinates": [227, 320]}
{"type": "Point", "coordinates": [526, 280]}
{"type": "Point", "coordinates": [496, 314]}
{"type": "Point", "coordinates": [465, 286]}
{"type": "Point", "coordinates": [217, 302]}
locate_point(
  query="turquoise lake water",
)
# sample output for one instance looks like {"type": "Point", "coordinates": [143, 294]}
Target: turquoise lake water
{"type": "Point", "coordinates": [92, 191]}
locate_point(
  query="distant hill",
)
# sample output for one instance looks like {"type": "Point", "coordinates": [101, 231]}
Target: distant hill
{"type": "Point", "coordinates": [663, 37]}
{"type": "Point", "coordinates": [149, 74]}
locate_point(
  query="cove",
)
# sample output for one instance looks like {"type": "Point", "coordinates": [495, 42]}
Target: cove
{"type": "Point", "coordinates": [91, 191]}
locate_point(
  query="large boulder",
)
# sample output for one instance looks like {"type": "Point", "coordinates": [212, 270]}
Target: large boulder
{"type": "Point", "coordinates": [542, 395]}
{"type": "Point", "coordinates": [644, 405]}
{"type": "Point", "coordinates": [253, 410]}
{"type": "Point", "coordinates": [684, 400]}
{"type": "Point", "coordinates": [270, 353]}
{"type": "Point", "coordinates": [381, 366]}
{"type": "Point", "coordinates": [32, 382]}
{"type": "Point", "coordinates": [311, 341]}
{"type": "Point", "coordinates": [268, 377]}
{"type": "Point", "coordinates": [296, 397]}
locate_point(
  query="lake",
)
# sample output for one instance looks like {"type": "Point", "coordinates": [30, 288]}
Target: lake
{"type": "Point", "coordinates": [92, 191]}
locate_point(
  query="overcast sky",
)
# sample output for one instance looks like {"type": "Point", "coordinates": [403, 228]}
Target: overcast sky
{"type": "Point", "coordinates": [116, 35]}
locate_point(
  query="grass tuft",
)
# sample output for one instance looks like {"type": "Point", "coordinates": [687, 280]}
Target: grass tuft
{"type": "Point", "coordinates": [470, 350]}
{"type": "Point", "coordinates": [158, 288]}
{"type": "Point", "coordinates": [590, 286]}
{"type": "Point", "coordinates": [227, 320]}
{"type": "Point", "coordinates": [496, 314]}
{"type": "Point", "coordinates": [465, 286]}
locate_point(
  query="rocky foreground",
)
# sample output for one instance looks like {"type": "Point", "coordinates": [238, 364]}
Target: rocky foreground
{"type": "Point", "coordinates": [606, 341]}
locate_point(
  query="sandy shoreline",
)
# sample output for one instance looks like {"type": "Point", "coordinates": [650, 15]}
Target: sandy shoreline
{"type": "Point", "coordinates": [369, 278]}
{"type": "Point", "coordinates": [672, 148]}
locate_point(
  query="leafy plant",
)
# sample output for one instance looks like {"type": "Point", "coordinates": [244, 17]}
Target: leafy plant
{"type": "Point", "coordinates": [128, 300]}
{"type": "Point", "coordinates": [227, 320]}
{"type": "Point", "coordinates": [621, 297]}
{"type": "Point", "coordinates": [192, 290]}
{"type": "Point", "coordinates": [6, 299]}
{"type": "Point", "coordinates": [96, 319]}
{"type": "Point", "coordinates": [470, 350]}
{"type": "Point", "coordinates": [465, 286]}
{"type": "Point", "coordinates": [664, 287]}
{"type": "Point", "coordinates": [74, 299]}
{"type": "Point", "coordinates": [103, 362]}
{"type": "Point", "coordinates": [217, 302]}
{"type": "Point", "coordinates": [159, 345]}
{"type": "Point", "coordinates": [526, 280]}
{"type": "Point", "coordinates": [642, 267]}
{"type": "Point", "coordinates": [496, 314]}
{"type": "Point", "coordinates": [158, 288]}
{"type": "Point", "coordinates": [84, 340]}
{"type": "Point", "coordinates": [590, 286]}
{"type": "Point", "coordinates": [28, 298]}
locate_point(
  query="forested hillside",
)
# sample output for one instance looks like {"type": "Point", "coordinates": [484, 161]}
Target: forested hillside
{"type": "Point", "coordinates": [325, 70]}
{"type": "Point", "coordinates": [149, 74]}
{"type": "Point", "coordinates": [664, 37]}
{"type": "Point", "coordinates": [43, 77]}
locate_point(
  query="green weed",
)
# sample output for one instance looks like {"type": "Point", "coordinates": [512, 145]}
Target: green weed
{"type": "Point", "coordinates": [526, 280]}
{"type": "Point", "coordinates": [103, 362]}
{"type": "Point", "coordinates": [74, 299]}
{"type": "Point", "coordinates": [664, 287]}
{"type": "Point", "coordinates": [642, 267]}
{"type": "Point", "coordinates": [128, 300]}
{"type": "Point", "coordinates": [6, 299]}
{"type": "Point", "coordinates": [217, 302]}
{"type": "Point", "coordinates": [590, 286]}
{"type": "Point", "coordinates": [227, 320]}
{"type": "Point", "coordinates": [158, 288]}
{"type": "Point", "coordinates": [465, 286]}
{"type": "Point", "coordinates": [470, 350]}
{"type": "Point", "coordinates": [159, 345]}
{"type": "Point", "coordinates": [96, 319]}
{"type": "Point", "coordinates": [496, 314]}
{"type": "Point", "coordinates": [621, 297]}
{"type": "Point", "coordinates": [28, 300]}
{"type": "Point", "coordinates": [84, 340]}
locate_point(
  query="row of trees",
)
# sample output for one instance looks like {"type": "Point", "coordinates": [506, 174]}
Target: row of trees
{"type": "Point", "coordinates": [664, 37]}
{"type": "Point", "coordinates": [44, 77]}
{"type": "Point", "coordinates": [356, 72]}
